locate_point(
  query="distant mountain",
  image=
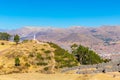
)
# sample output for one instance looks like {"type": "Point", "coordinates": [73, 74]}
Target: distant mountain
{"type": "Point", "coordinates": [104, 40]}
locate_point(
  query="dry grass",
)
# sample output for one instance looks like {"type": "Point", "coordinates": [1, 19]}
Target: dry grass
{"type": "Point", "coordinates": [7, 44]}
{"type": "Point", "coordinates": [37, 76]}
{"type": "Point", "coordinates": [3, 47]}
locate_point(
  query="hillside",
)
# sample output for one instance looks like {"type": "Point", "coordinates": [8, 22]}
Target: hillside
{"type": "Point", "coordinates": [30, 56]}
{"type": "Point", "coordinates": [5, 45]}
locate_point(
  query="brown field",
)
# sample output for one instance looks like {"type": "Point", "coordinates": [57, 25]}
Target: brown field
{"type": "Point", "coordinates": [38, 76]}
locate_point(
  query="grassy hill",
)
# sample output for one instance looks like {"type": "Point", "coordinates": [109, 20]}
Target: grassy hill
{"type": "Point", "coordinates": [34, 57]}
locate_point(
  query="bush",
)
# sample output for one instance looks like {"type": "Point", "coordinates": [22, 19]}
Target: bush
{"type": "Point", "coordinates": [47, 51]}
{"type": "Point", "coordinates": [25, 41]}
{"type": "Point", "coordinates": [2, 43]}
{"type": "Point", "coordinates": [46, 68]}
{"type": "Point", "coordinates": [31, 55]}
{"type": "Point", "coordinates": [43, 49]}
{"type": "Point", "coordinates": [42, 63]}
{"type": "Point", "coordinates": [39, 57]}
{"type": "Point", "coordinates": [44, 45]}
{"type": "Point", "coordinates": [17, 61]}
{"type": "Point", "coordinates": [27, 65]}
{"type": "Point", "coordinates": [107, 60]}
{"type": "Point", "coordinates": [48, 57]}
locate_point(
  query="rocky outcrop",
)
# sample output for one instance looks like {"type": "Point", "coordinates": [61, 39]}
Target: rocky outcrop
{"type": "Point", "coordinates": [112, 66]}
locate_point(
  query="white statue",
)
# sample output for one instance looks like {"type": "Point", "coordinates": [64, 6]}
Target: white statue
{"type": "Point", "coordinates": [34, 37]}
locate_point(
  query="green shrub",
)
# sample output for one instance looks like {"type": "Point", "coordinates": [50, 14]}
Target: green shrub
{"type": "Point", "coordinates": [46, 68]}
{"type": "Point", "coordinates": [42, 63]}
{"type": "Point", "coordinates": [17, 61]}
{"type": "Point", "coordinates": [43, 49]}
{"type": "Point", "coordinates": [31, 55]}
{"type": "Point", "coordinates": [25, 41]}
{"type": "Point", "coordinates": [48, 57]}
{"type": "Point", "coordinates": [107, 60]}
{"type": "Point", "coordinates": [47, 51]}
{"type": "Point", "coordinates": [44, 45]}
{"type": "Point", "coordinates": [39, 57]}
{"type": "Point", "coordinates": [27, 65]}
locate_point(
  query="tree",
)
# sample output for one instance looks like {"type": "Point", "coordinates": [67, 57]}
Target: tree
{"type": "Point", "coordinates": [16, 39]}
{"type": "Point", "coordinates": [17, 61]}
{"type": "Point", "coordinates": [4, 36]}
{"type": "Point", "coordinates": [74, 47]}
{"type": "Point", "coordinates": [86, 56]}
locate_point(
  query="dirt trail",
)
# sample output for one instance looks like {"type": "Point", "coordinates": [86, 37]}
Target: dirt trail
{"type": "Point", "coordinates": [53, 62]}
{"type": "Point", "coordinates": [4, 51]}
{"type": "Point", "coordinates": [1, 52]}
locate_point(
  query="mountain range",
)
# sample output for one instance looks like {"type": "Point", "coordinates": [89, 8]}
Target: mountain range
{"type": "Point", "coordinates": [105, 40]}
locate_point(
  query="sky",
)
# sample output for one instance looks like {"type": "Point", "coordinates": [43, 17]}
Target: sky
{"type": "Point", "coordinates": [58, 13]}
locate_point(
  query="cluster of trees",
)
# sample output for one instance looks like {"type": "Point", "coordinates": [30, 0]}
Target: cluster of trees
{"type": "Point", "coordinates": [6, 36]}
{"type": "Point", "coordinates": [85, 56]}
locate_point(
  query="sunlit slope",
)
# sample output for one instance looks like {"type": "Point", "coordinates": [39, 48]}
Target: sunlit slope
{"type": "Point", "coordinates": [5, 45]}
{"type": "Point", "coordinates": [31, 56]}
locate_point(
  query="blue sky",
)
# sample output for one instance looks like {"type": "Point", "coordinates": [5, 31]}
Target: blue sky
{"type": "Point", "coordinates": [58, 13]}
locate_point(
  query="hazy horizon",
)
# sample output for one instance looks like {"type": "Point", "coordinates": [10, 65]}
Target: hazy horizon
{"type": "Point", "coordinates": [58, 27]}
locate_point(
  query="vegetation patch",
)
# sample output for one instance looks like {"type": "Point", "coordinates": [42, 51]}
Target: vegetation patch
{"type": "Point", "coordinates": [4, 36]}
{"type": "Point", "coordinates": [85, 55]}
{"type": "Point", "coordinates": [42, 63]}
{"type": "Point", "coordinates": [63, 58]}
{"type": "Point", "coordinates": [47, 51]}
{"type": "Point", "coordinates": [17, 61]}
{"type": "Point", "coordinates": [46, 68]}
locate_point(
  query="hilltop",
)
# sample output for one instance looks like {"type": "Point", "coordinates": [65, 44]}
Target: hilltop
{"type": "Point", "coordinates": [34, 57]}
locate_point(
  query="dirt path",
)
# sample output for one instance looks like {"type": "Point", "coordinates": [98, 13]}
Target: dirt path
{"type": "Point", "coordinates": [4, 51]}
{"type": "Point", "coordinates": [53, 62]}
{"type": "Point", "coordinates": [1, 52]}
